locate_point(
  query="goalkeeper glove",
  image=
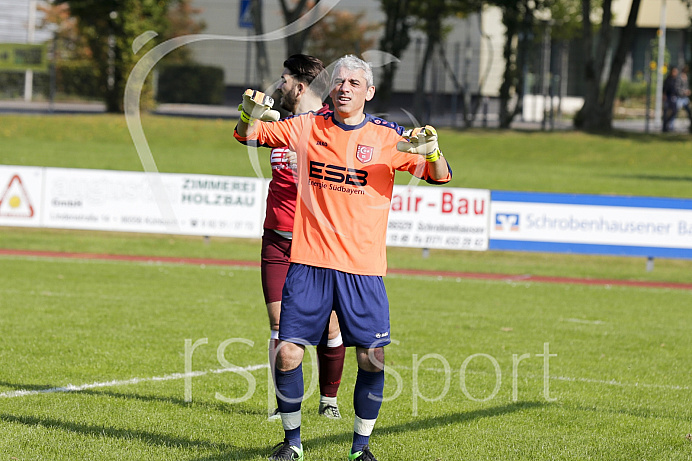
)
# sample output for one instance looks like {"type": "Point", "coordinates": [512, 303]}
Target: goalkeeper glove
{"type": "Point", "coordinates": [257, 105]}
{"type": "Point", "coordinates": [421, 141]}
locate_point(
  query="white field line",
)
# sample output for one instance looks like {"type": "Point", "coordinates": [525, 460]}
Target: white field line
{"type": "Point", "coordinates": [72, 295]}
{"type": "Point", "coordinates": [614, 382]}
{"type": "Point", "coordinates": [127, 382]}
{"type": "Point", "coordinates": [148, 263]}
{"type": "Point", "coordinates": [585, 322]}
{"type": "Point", "coordinates": [611, 382]}
{"type": "Point", "coordinates": [175, 376]}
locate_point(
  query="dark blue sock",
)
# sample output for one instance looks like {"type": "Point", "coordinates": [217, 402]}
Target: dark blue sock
{"type": "Point", "coordinates": [289, 396]}
{"type": "Point", "coordinates": [367, 399]}
{"type": "Point", "coordinates": [359, 441]}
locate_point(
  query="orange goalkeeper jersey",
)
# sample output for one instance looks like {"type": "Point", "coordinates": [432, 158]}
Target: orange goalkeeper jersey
{"type": "Point", "coordinates": [345, 180]}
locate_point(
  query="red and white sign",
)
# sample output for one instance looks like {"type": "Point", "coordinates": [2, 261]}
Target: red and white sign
{"type": "Point", "coordinates": [15, 202]}
{"type": "Point", "coordinates": [439, 217]}
{"type": "Point", "coordinates": [20, 193]}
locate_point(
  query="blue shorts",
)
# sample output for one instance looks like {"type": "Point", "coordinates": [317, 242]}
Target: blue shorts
{"type": "Point", "coordinates": [311, 293]}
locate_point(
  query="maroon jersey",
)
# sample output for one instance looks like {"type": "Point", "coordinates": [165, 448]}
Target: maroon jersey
{"type": "Point", "coordinates": [281, 197]}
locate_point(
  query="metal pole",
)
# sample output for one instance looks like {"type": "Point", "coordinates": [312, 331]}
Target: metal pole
{"type": "Point", "coordinates": [647, 61]}
{"type": "Point", "coordinates": [53, 65]}
{"type": "Point", "coordinates": [545, 73]}
{"type": "Point", "coordinates": [248, 58]}
{"type": "Point", "coordinates": [659, 70]}
{"type": "Point", "coordinates": [650, 264]}
{"type": "Point", "coordinates": [455, 96]}
{"type": "Point", "coordinates": [435, 80]}
{"type": "Point", "coordinates": [113, 15]}
{"type": "Point", "coordinates": [485, 111]}
{"type": "Point", "coordinates": [29, 74]}
{"type": "Point", "coordinates": [564, 73]}
{"type": "Point", "coordinates": [541, 70]}
{"type": "Point", "coordinates": [468, 56]}
{"type": "Point", "coordinates": [551, 109]}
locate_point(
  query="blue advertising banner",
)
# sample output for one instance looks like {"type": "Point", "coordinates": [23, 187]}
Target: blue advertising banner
{"type": "Point", "coordinates": [591, 224]}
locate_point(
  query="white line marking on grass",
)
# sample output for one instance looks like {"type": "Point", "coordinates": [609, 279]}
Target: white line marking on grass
{"type": "Point", "coordinates": [147, 263]}
{"type": "Point", "coordinates": [127, 382]}
{"type": "Point", "coordinates": [612, 382]}
{"type": "Point", "coordinates": [175, 376]}
{"type": "Point", "coordinates": [587, 322]}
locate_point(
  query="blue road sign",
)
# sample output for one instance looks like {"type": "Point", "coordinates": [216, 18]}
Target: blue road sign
{"type": "Point", "coordinates": [245, 15]}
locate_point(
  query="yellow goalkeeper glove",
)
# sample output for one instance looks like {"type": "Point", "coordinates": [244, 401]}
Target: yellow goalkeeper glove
{"type": "Point", "coordinates": [422, 141]}
{"type": "Point", "coordinates": [257, 105]}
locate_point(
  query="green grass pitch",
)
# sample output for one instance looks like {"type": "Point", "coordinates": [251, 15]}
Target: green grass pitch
{"type": "Point", "coordinates": [473, 352]}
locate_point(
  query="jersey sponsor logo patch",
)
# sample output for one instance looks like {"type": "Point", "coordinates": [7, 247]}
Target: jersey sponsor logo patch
{"type": "Point", "coordinates": [278, 155]}
{"type": "Point", "coordinates": [279, 160]}
{"type": "Point", "coordinates": [338, 174]}
{"type": "Point", "coordinates": [364, 153]}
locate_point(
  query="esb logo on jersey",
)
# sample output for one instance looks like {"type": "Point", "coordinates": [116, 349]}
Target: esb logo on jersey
{"type": "Point", "coordinates": [364, 153]}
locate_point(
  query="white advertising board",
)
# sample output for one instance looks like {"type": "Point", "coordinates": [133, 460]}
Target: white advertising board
{"type": "Point", "coordinates": [420, 217]}
{"type": "Point", "coordinates": [439, 217]}
{"type": "Point", "coordinates": [154, 203]}
{"type": "Point", "coordinates": [591, 224]}
{"type": "Point", "coordinates": [20, 195]}
{"type": "Point", "coordinates": [125, 201]}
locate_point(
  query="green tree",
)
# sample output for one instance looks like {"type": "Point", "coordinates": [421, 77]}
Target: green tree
{"type": "Point", "coordinates": [566, 17]}
{"type": "Point", "coordinates": [340, 33]}
{"type": "Point", "coordinates": [262, 60]}
{"type": "Point", "coordinates": [519, 19]}
{"type": "Point", "coordinates": [430, 16]}
{"type": "Point", "coordinates": [292, 11]}
{"type": "Point", "coordinates": [597, 112]}
{"type": "Point", "coordinates": [180, 20]}
{"type": "Point", "coordinates": [395, 40]}
{"type": "Point", "coordinates": [70, 45]}
{"type": "Point", "coordinates": [522, 32]}
{"type": "Point", "coordinates": [109, 27]}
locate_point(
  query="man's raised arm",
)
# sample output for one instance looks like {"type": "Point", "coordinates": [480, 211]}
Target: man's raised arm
{"type": "Point", "coordinates": [423, 141]}
{"type": "Point", "coordinates": [255, 105]}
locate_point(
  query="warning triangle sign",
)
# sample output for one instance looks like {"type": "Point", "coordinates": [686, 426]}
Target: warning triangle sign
{"type": "Point", "coordinates": [15, 202]}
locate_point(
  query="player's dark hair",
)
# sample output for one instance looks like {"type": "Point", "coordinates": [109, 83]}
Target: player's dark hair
{"type": "Point", "coordinates": [309, 70]}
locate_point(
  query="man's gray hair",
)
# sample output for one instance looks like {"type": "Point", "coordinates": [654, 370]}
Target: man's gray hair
{"type": "Point", "coordinates": [352, 62]}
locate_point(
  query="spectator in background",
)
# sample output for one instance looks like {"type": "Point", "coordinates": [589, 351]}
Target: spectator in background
{"type": "Point", "coordinates": [670, 99]}
{"type": "Point", "coordinates": [683, 90]}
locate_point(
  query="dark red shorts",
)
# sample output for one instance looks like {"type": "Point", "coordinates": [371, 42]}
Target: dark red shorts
{"type": "Point", "coordinates": [276, 252]}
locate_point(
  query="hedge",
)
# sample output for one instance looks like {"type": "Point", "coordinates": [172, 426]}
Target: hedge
{"type": "Point", "coordinates": [71, 78]}
{"type": "Point", "coordinates": [191, 84]}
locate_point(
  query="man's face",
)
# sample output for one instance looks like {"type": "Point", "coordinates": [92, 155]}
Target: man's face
{"type": "Point", "coordinates": [350, 91]}
{"type": "Point", "coordinates": [289, 91]}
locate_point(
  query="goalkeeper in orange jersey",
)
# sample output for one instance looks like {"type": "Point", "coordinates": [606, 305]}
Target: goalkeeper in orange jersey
{"type": "Point", "coordinates": [302, 83]}
{"type": "Point", "coordinates": [346, 162]}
